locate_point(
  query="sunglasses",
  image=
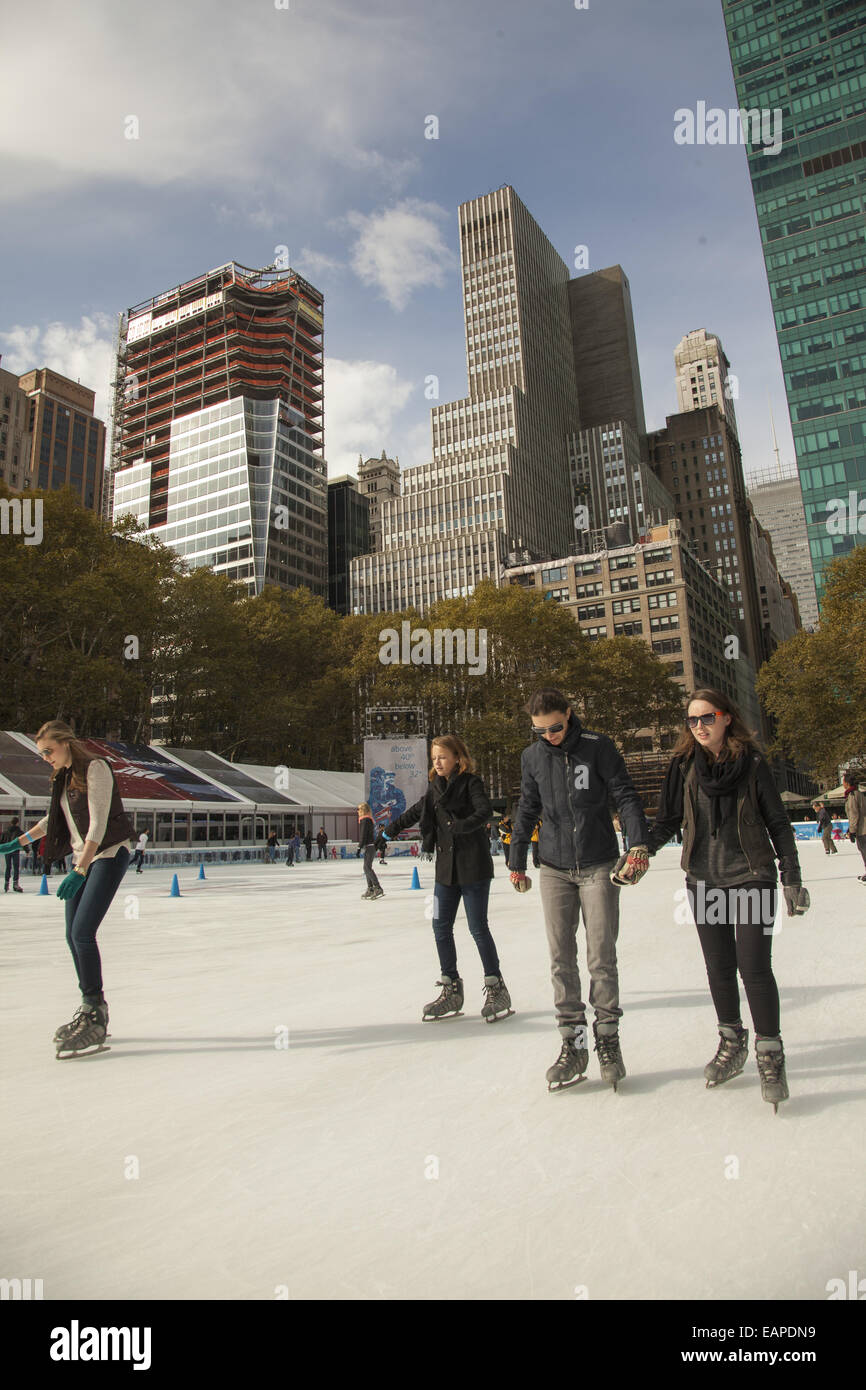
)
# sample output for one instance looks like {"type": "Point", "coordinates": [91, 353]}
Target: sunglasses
{"type": "Point", "coordinates": [708, 720]}
{"type": "Point", "coordinates": [551, 729]}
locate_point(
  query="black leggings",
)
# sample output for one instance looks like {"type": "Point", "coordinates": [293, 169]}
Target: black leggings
{"type": "Point", "coordinates": [735, 927]}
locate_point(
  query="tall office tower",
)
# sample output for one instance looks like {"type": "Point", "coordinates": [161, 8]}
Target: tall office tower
{"type": "Point", "coordinates": [704, 374]}
{"type": "Point", "coordinates": [616, 487]}
{"type": "Point", "coordinates": [778, 505]}
{"type": "Point", "coordinates": [378, 480]}
{"type": "Point", "coordinates": [697, 457]}
{"type": "Point", "coordinates": [348, 536]}
{"type": "Point", "coordinates": [780, 613]}
{"type": "Point", "coordinates": [217, 438]}
{"type": "Point", "coordinates": [806, 60]}
{"type": "Point", "coordinates": [49, 436]}
{"type": "Point", "coordinates": [499, 479]}
{"type": "Point", "coordinates": [603, 340]}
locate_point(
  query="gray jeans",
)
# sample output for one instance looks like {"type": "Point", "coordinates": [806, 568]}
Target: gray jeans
{"type": "Point", "coordinates": [861, 845]}
{"type": "Point", "coordinates": [564, 894]}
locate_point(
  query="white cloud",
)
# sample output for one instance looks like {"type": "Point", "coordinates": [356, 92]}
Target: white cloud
{"type": "Point", "coordinates": [362, 399]}
{"type": "Point", "coordinates": [82, 352]}
{"type": "Point", "coordinates": [281, 99]}
{"type": "Point", "coordinates": [401, 249]}
{"type": "Point", "coordinates": [312, 263]}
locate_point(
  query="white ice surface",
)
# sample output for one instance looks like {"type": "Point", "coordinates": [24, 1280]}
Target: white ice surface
{"type": "Point", "coordinates": [306, 1167]}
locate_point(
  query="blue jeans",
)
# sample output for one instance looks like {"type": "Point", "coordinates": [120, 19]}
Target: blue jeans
{"type": "Point", "coordinates": [446, 900]}
{"type": "Point", "coordinates": [84, 914]}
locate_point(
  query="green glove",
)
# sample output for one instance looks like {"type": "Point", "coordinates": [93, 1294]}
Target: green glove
{"type": "Point", "coordinates": [10, 847]}
{"type": "Point", "coordinates": [70, 885]}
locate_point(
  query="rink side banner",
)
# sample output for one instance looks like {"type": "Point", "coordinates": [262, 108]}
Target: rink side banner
{"type": "Point", "coordinates": [395, 775]}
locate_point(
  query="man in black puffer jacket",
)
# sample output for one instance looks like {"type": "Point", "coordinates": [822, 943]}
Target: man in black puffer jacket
{"type": "Point", "coordinates": [567, 778]}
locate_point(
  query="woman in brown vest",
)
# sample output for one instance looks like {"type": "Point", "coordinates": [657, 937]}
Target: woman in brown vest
{"type": "Point", "coordinates": [85, 816]}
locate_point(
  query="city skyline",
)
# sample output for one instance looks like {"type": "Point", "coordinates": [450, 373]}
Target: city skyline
{"type": "Point", "coordinates": [377, 228]}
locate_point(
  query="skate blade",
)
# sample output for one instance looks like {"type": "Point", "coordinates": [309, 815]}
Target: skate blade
{"type": "Point", "coordinates": [496, 1017]}
{"type": "Point", "coordinates": [82, 1052]}
{"type": "Point", "coordinates": [565, 1085]}
{"type": "Point", "coordinates": [439, 1018]}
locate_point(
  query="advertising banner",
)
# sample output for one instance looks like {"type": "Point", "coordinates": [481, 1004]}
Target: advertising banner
{"type": "Point", "coordinates": [395, 775]}
{"type": "Point", "coordinates": [142, 773]}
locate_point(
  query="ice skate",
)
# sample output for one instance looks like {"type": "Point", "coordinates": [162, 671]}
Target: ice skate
{"type": "Point", "coordinates": [731, 1055]}
{"type": "Point", "coordinates": [770, 1056]}
{"type": "Point", "coordinates": [66, 1028]}
{"type": "Point", "coordinates": [497, 1003]}
{"type": "Point", "coordinates": [450, 1001]}
{"type": "Point", "coordinates": [570, 1066]}
{"type": "Point", "coordinates": [368, 894]}
{"type": "Point", "coordinates": [377, 893]}
{"type": "Point", "coordinates": [609, 1055]}
{"type": "Point", "coordinates": [88, 1035]}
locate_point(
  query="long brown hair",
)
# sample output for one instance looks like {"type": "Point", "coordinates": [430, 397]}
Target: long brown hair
{"type": "Point", "coordinates": [739, 737]}
{"type": "Point", "coordinates": [59, 732]}
{"type": "Point", "coordinates": [455, 745]}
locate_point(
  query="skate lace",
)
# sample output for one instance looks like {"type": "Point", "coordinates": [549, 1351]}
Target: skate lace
{"type": "Point", "coordinates": [491, 991]}
{"type": "Point", "coordinates": [727, 1049]}
{"type": "Point", "coordinates": [606, 1047]}
{"type": "Point", "coordinates": [770, 1065]}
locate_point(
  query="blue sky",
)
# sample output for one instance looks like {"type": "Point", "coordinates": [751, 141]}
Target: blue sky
{"type": "Point", "coordinates": [304, 127]}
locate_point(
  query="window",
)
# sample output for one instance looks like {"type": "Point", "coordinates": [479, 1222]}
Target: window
{"type": "Point", "coordinates": [591, 610]}
{"type": "Point", "coordinates": [632, 629]}
{"type": "Point", "coordinates": [626, 605]}
{"type": "Point", "coordinates": [622, 562]}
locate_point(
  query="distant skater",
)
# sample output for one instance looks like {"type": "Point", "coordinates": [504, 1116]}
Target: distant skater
{"type": "Point", "coordinates": [85, 816]}
{"type": "Point", "coordinates": [367, 845]}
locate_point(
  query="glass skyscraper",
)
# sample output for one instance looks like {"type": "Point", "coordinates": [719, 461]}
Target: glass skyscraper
{"type": "Point", "coordinates": [807, 58]}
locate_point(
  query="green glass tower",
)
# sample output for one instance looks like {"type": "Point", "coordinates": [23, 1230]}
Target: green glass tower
{"type": "Point", "coordinates": [807, 59]}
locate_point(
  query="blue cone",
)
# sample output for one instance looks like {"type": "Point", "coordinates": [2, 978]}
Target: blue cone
{"type": "Point", "coordinates": [201, 870]}
{"type": "Point", "coordinates": [43, 890]}
{"type": "Point", "coordinates": [416, 882]}
{"type": "Point", "coordinates": [175, 890]}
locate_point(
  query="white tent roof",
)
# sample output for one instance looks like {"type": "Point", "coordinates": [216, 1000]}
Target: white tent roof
{"type": "Point", "coordinates": [331, 791]}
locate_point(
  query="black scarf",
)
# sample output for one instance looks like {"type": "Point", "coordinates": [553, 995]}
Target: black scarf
{"type": "Point", "coordinates": [720, 781]}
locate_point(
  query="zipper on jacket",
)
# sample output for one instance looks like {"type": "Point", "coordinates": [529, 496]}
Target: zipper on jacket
{"type": "Point", "coordinates": [570, 804]}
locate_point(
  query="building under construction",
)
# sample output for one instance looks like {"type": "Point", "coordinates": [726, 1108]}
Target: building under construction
{"type": "Point", "coordinates": [217, 428]}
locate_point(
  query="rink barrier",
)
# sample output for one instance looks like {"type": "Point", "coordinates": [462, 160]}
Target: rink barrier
{"type": "Point", "coordinates": [181, 858]}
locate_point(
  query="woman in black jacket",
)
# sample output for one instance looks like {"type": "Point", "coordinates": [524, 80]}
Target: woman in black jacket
{"type": "Point", "coordinates": [453, 814]}
{"type": "Point", "coordinates": [720, 790]}
{"type": "Point", "coordinates": [367, 839]}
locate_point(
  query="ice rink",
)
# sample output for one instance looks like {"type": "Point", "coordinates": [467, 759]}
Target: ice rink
{"type": "Point", "coordinates": [376, 1157]}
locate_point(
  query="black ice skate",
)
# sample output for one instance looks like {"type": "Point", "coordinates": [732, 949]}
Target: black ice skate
{"type": "Point", "coordinates": [88, 1035]}
{"type": "Point", "coordinates": [609, 1055]}
{"type": "Point", "coordinates": [66, 1028]}
{"type": "Point", "coordinates": [497, 1003]}
{"type": "Point", "coordinates": [377, 893]}
{"type": "Point", "coordinates": [450, 1001]}
{"type": "Point", "coordinates": [570, 1066]}
{"type": "Point", "coordinates": [731, 1055]}
{"type": "Point", "coordinates": [770, 1056]}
